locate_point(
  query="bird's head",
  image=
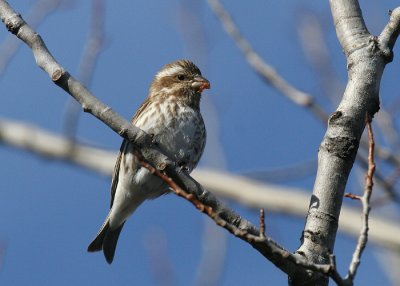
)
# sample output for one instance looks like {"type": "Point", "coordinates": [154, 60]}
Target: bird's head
{"type": "Point", "coordinates": [181, 79]}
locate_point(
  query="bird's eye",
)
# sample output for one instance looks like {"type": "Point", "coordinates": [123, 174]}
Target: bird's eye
{"type": "Point", "coordinates": [181, 77]}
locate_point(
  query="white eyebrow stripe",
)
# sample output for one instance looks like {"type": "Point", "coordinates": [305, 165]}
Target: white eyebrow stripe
{"type": "Point", "coordinates": [170, 71]}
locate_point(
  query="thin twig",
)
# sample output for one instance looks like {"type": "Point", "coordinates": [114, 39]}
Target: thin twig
{"type": "Point", "coordinates": [334, 274]}
{"type": "Point", "coordinates": [352, 196]}
{"type": "Point", "coordinates": [365, 200]}
{"type": "Point", "coordinates": [362, 160]}
{"type": "Point", "coordinates": [262, 223]}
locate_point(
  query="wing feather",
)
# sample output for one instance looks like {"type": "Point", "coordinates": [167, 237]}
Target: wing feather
{"type": "Point", "coordinates": [114, 181]}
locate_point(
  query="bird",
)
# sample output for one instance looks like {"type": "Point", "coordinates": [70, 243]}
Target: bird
{"type": "Point", "coordinates": [171, 115]}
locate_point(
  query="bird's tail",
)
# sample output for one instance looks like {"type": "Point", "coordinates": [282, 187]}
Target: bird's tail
{"type": "Point", "coordinates": [106, 239]}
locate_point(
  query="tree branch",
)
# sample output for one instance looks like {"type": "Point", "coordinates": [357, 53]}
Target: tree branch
{"type": "Point", "coordinates": [391, 32]}
{"type": "Point", "coordinates": [350, 27]}
{"type": "Point", "coordinates": [339, 146]}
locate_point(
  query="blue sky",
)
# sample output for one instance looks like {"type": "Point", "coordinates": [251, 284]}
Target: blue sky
{"type": "Point", "coordinates": [50, 211]}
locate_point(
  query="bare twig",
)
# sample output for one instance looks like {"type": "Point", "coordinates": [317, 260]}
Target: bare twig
{"type": "Point", "coordinates": [262, 223]}
{"type": "Point", "coordinates": [334, 273]}
{"type": "Point", "coordinates": [388, 188]}
{"type": "Point", "coordinates": [365, 200]}
{"type": "Point", "coordinates": [352, 196]}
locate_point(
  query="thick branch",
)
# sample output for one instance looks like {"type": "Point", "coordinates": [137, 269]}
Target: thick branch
{"type": "Point", "coordinates": [339, 146]}
{"type": "Point", "coordinates": [349, 23]}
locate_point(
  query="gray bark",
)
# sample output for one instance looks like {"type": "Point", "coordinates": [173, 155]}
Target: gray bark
{"type": "Point", "coordinates": [366, 57]}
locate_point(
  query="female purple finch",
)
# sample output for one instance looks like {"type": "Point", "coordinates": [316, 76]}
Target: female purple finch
{"type": "Point", "coordinates": [171, 114]}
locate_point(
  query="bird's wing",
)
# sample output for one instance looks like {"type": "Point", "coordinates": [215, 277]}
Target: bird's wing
{"type": "Point", "coordinates": [114, 181]}
{"type": "Point", "coordinates": [144, 105]}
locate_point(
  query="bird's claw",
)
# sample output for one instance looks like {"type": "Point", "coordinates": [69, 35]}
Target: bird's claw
{"type": "Point", "coordinates": [154, 141]}
{"type": "Point", "coordinates": [183, 167]}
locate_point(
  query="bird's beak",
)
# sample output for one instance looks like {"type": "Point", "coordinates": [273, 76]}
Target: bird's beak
{"type": "Point", "coordinates": [200, 83]}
